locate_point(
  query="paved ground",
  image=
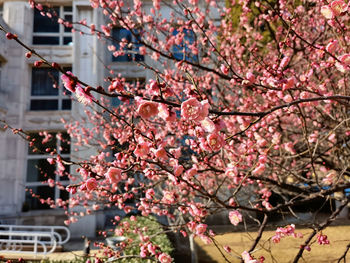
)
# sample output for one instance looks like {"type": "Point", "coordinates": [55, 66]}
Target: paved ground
{"type": "Point", "coordinates": [70, 251]}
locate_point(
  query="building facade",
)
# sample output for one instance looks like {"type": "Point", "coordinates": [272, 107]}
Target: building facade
{"type": "Point", "coordinates": [28, 101]}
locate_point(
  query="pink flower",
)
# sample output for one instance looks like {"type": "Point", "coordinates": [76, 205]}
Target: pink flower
{"type": "Point", "coordinates": [106, 30]}
{"type": "Point", "coordinates": [161, 153]}
{"type": "Point", "coordinates": [165, 113]}
{"type": "Point", "coordinates": [332, 46]}
{"type": "Point", "coordinates": [150, 193]}
{"type": "Point", "coordinates": [147, 109]}
{"type": "Point", "coordinates": [338, 7]}
{"type": "Point", "coordinates": [345, 59]}
{"type": "Point", "coordinates": [91, 184]}
{"type": "Point", "coordinates": [200, 229]}
{"type": "Point", "coordinates": [116, 85]}
{"type": "Point", "coordinates": [208, 125]}
{"type": "Point", "coordinates": [83, 96]}
{"type": "Point", "coordinates": [247, 258]}
{"type": "Point", "coordinates": [259, 169]}
{"type": "Point", "coordinates": [69, 82]}
{"type": "Point", "coordinates": [142, 150]}
{"type": "Point", "coordinates": [165, 258]}
{"type": "Point", "coordinates": [114, 175]}
{"type": "Point", "coordinates": [178, 170]}
{"type": "Point", "coordinates": [215, 141]}
{"type": "Point", "coordinates": [227, 249]}
{"type": "Point", "coordinates": [192, 109]}
{"type": "Point", "coordinates": [327, 12]}
{"type": "Point", "coordinates": [322, 239]}
{"type": "Point", "coordinates": [235, 217]}
{"type": "Point", "coordinates": [224, 69]}
{"type": "Point", "coordinates": [142, 50]}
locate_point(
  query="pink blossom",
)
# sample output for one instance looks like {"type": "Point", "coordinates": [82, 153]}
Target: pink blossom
{"type": "Point", "coordinates": [224, 69]}
{"type": "Point", "coordinates": [114, 175]}
{"type": "Point", "coordinates": [147, 109]}
{"type": "Point", "coordinates": [164, 258]}
{"type": "Point", "coordinates": [91, 184]}
{"type": "Point", "coordinates": [161, 153]}
{"type": "Point", "coordinates": [106, 30]}
{"type": "Point", "coordinates": [215, 141]}
{"type": "Point", "coordinates": [327, 12]}
{"type": "Point", "coordinates": [332, 46]}
{"type": "Point", "coordinates": [192, 109]}
{"type": "Point", "coordinates": [235, 217]}
{"type": "Point", "coordinates": [200, 229]}
{"type": "Point", "coordinates": [247, 258]}
{"type": "Point", "coordinates": [178, 170]}
{"type": "Point", "coordinates": [227, 249]}
{"type": "Point", "coordinates": [322, 239]}
{"type": "Point", "coordinates": [83, 96]}
{"type": "Point", "coordinates": [69, 82]}
{"type": "Point", "coordinates": [142, 150]}
{"type": "Point", "coordinates": [259, 170]}
{"type": "Point", "coordinates": [345, 59]}
{"type": "Point", "coordinates": [338, 7]}
{"type": "Point", "coordinates": [208, 125]}
{"type": "Point", "coordinates": [116, 85]}
{"type": "Point", "coordinates": [150, 193]}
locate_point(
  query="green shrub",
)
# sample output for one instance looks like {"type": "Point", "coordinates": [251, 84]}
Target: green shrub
{"type": "Point", "coordinates": [148, 226]}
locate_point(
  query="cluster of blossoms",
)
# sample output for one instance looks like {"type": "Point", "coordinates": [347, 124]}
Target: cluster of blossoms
{"type": "Point", "coordinates": [284, 232]}
{"type": "Point", "coordinates": [235, 217]}
{"type": "Point", "coordinates": [70, 83]}
{"type": "Point", "coordinates": [322, 239]}
{"type": "Point", "coordinates": [247, 258]}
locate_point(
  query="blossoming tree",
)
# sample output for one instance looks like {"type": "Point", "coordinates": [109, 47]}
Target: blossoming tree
{"type": "Point", "coordinates": [256, 106]}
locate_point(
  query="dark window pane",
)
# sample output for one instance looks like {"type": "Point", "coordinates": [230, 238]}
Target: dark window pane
{"type": "Point", "coordinates": [40, 170]}
{"type": "Point", "coordinates": [64, 195]}
{"type": "Point", "coordinates": [45, 24]}
{"type": "Point", "coordinates": [67, 41]}
{"type": "Point", "coordinates": [67, 9]}
{"type": "Point", "coordinates": [66, 104]}
{"type": "Point", "coordinates": [68, 18]}
{"type": "Point", "coordinates": [44, 192]}
{"type": "Point", "coordinates": [119, 34]}
{"type": "Point", "coordinates": [44, 105]}
{"type": "Point", "coordinates": [183, 51]}
{"type": "Point", "coordinates": [124, 58]}
{"type": "Point", "coordinates": [139, 57]}
{"type": "Point", "coordinates": [41, 143]}
{"type": "Point", "coordinates": [43, 80]}
{"type": "Point", "coordinates": [46, 40]}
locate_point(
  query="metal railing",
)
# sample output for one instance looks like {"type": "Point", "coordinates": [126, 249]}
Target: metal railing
{"type": "Point", "coordinates": [14, 238]}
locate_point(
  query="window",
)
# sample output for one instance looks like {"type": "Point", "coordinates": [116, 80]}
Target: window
{"type": "Point", "coordinates": [183, 51]}
{"type": "Point", "coordinates": [39, 170]}
{"type": "Point", "coordinates": [130, 45]}
{"type": "Point", "coordinates": [47, 31]}
{"type": "Point", "coordinates": [45, 91]}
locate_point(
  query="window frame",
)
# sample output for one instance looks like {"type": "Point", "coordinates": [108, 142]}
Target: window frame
{"type": "Point", "coordinates": [61, 34]}
{"type": "Point", "coordinates": [62, 95]}
{"type": "Point", "coordinates": [131, 53]}
{"type": "Point", "coordinates": [44, 156]}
